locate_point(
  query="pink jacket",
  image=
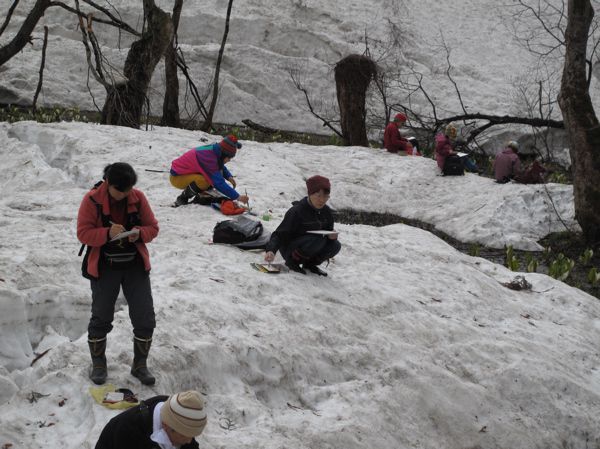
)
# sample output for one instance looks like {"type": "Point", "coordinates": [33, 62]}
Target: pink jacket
{"type": "Point", "coordinates": [393, 141]}
{"type": "Point", "coordinates": [91, 231]}
{"type": "Point", "coordinates": [443, 147]}
{"type": "Point", "coordinates": [506, 165]}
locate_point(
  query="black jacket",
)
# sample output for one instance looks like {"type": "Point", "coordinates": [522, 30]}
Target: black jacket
{"type": "Point", "coordinates": [132, 428]}
{"type": "Point", "coordinates": [300, 218]}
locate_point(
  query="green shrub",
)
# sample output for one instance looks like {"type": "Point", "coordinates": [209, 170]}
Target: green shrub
{"type": "Point", "coordinates": [14, 114]}
{"type": "Point", "coordinates": [474, 250]}
{"type": "Point", "coordinates": [531, 263]}
{"type": "Point", "coordinates": [586, 256]}
{"type": "Point", "coordinates": [593, 276]}
{"type": "Point", "coordinates": [561, 267]}
{"type": "Point", "coordinates": [512, 262]}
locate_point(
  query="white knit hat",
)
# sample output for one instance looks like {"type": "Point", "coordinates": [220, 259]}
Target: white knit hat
{"type": "Point", "coordinates": [184, 413]}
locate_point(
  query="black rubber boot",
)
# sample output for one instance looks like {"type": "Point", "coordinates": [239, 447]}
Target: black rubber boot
{"type": "Point", "coordinates": [314, 269]}
{"type": "Point", "coordinates": [99, 370]}
{"type": "Point", "coordinates": [294, 266]}
{"type": "Point", "coordinates": [188, 193]}
{"type": "Point", "coordinates": [141, 348]}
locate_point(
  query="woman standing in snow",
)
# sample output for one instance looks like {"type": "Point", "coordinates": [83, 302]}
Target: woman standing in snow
{"type": "Point", "coordinates": [112, 207]}
{"type": "Point", "coordinates": [202, 167]}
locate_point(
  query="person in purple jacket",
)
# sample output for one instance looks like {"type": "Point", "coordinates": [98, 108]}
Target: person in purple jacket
{"type": "Point", "coordinates": [507, 164]}
{"type": "Point", "coordinates": [203, 167]}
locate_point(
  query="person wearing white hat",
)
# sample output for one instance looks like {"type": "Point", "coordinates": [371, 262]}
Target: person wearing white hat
{"type": "Point", "coordinates": [166, 422]}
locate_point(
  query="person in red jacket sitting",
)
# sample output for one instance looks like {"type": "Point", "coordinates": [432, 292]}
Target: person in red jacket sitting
{"type": "Point", "coordinates": [393, 140]}
{"type": "Point", "coordinates": [112, 207]}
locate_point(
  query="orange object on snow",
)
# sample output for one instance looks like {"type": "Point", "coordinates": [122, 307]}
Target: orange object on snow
{"type": "Point", "coordinates": [228, 207]}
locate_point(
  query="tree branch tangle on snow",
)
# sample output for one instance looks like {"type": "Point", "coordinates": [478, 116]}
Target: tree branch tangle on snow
{"type": "Point", "coordinates": [296, 79]}
{"type": "Point", "coordinates": [23, 36]}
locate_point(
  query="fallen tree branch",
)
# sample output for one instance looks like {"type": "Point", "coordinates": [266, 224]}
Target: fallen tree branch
{"type": "Point", "coordinates": [263, 129]}
{"type": "Point", "coordinates": [505, 119]}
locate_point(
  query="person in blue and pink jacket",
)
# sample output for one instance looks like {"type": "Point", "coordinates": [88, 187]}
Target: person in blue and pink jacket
{"type": "Point", "coordinates": [203, 167]}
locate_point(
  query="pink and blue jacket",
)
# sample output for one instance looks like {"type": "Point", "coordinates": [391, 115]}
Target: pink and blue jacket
{"type": "Point", "coordinates": [206, 161]}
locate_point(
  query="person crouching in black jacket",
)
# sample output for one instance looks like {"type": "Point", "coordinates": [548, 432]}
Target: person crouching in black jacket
{"type": "Point", "coordinates": [302, 249]}
{"type": "Point", "coordinates": [159, 422]}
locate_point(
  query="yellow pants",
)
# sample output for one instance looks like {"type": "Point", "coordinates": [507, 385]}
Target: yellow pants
{"type": "Point", "coordinates": [182, 181]}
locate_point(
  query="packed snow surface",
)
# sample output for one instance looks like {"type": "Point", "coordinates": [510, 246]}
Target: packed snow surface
{"type": "Point", "coordinates": [407, 343]}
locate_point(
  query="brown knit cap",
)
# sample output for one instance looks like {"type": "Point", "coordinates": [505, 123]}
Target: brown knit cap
{"type": "Point", "coordinates": [184, 413]}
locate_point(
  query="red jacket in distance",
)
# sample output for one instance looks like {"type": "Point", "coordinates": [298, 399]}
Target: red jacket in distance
{"type": "Point", "coordinates": [92, 232]}
{"type": "Point", "coordinates": [506, 165]}
{"type": "Point", "coordinates": [393, 141]}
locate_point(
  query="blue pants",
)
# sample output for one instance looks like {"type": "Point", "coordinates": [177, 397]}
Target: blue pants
{"type": "Point", "coordinates": [469, 164]}
{"type": "Point", "coordinates": [311, 249]}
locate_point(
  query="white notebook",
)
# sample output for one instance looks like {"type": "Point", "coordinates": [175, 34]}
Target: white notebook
{"type": "Point", "coordinates": [125, 234]}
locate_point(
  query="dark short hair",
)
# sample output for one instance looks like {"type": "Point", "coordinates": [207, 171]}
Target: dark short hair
{"type": "Point", "coordinates": [120, 175]}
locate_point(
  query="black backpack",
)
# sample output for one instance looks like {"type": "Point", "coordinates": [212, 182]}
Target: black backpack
{"type": "Point", "coordinates": [239, 230]}
{"type": "Point", "coordinates": [453, 166]}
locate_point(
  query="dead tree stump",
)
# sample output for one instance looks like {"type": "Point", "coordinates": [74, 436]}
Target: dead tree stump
{"type": "Point", "coordinates": [353, 75]}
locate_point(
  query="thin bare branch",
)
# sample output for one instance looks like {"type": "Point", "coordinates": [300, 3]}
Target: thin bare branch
{"type": "Point", "coordinates": [113, 22]}
{"type": "Point", "coordinates": [299, 85]}
{"type": "Point", "coordinates": [8, 16]}
{"type": "Point", "coordinates": [42, 65]}
{"type": "Point", "coordinates": [449, 75]}
{"type": "Point", "coordinates": [86, 31]}
{"type": "Point", "coordinates": [193, 89]}
{"type": "Point", "coordinates": [215, 93]}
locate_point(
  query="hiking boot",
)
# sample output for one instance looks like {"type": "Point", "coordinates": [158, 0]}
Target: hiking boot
{"type": "Point", "coordinates": [188, 193]}
{"type": "Point", "coordinates": [139, 369]}
{"type": "Point", "coordinates": [181, 200]}
{"type": "Point", "coordinates": [294, 266]}
{"type": "Point", "coordinates": [99, 370]}
{"type": "Point", "coordinates": [314, 269]}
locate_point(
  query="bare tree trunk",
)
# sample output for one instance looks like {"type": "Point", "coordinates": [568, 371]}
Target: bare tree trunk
{"type": "Point", "coordinates": [23, 36]}
{"type": "Point", "coordinates": [213, 102]}
{"type": "Point", "coordinates": [42, 64]}
{"type": "Point", "coordinates": [352, 77]}
{"type": "Point", "coordinates": [581, 123]}
{"type": "Point", "coordinates": [125, 101]}
{"type": "Point", "coordinates": [171, 102]}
